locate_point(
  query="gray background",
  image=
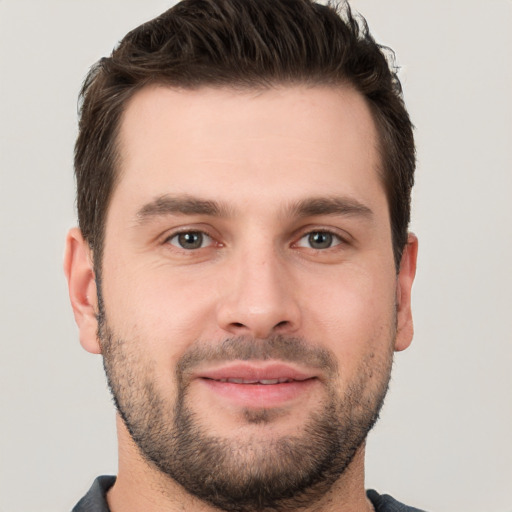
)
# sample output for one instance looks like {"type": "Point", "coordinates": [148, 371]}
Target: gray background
{"type": "Point", "coordinates": [444, 440]}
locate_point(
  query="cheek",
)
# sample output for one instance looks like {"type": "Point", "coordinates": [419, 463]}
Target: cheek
{"type": "Point", "coordinates": [165, 310]}
{"type": "Point", "coordinates": [355, 316]}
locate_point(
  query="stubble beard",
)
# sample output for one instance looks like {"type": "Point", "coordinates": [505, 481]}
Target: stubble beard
{"type": "Point", "coordinates": [244, 475]}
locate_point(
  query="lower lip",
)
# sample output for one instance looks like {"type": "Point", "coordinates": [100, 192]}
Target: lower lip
{"type": "Point", "coordinates": [260, 395]}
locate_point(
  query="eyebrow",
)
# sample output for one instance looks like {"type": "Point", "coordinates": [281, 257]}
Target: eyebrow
{"type": "Point", "coordinates": [330, 206]}
{"type": "Point", "coordinates": [181, 205]}
{"type": "Point", "coordinates": [310, 207]}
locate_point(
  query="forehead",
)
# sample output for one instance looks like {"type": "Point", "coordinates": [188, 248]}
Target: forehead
{"type": "Point", "coordinates": [245, 146]}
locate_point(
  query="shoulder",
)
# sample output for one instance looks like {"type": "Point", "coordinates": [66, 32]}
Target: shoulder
{"type": "Point", "coordinates": [385, 503]}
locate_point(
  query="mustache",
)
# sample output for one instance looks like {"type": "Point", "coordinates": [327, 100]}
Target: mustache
{"type": "Point", "coordinates": [246, 348]}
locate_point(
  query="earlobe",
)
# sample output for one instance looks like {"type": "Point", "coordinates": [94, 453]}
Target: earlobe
{"type": "Point", "coordinates": [79, 271]}
{"type": "Point", "coordinates": [405, 278]}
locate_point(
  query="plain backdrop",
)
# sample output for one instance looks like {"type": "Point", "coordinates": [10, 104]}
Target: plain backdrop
{"type": "Point", "coordinates": [444, 439]}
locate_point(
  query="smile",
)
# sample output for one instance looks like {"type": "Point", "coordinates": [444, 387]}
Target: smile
{"type": "Point", "coordinates": [256, 381]}
{"type": "Point", "coordinates": [253, 385]}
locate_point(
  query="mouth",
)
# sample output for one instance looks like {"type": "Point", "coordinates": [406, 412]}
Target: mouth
{"type": "Point", "coordinates": [258, 385]}
{"type": "Point", "coordinates": [265, 382]}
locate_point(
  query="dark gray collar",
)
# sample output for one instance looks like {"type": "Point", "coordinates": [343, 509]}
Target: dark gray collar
{"type": "Point", "coordinates": [96, 499]}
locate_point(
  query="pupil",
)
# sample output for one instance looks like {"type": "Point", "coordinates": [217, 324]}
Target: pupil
{"type": "Point", "coordinates": [320, 240]}
{"type": "Point", "coordinates": [190, 240]}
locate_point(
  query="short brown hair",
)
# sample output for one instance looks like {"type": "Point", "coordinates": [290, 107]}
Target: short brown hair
{"type": "Point", "coordinates": [243, 44]}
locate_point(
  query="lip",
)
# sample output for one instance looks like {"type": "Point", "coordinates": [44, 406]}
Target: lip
{"type": "Point", "coordinates": [253, 371]}
{"type": "Point", "coordinates": [252, 385]}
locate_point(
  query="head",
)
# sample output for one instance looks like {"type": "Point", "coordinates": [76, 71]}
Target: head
{"type": "Point", "coordinates": [229, 43]}
{"type": "Point", "coordinates": [244, 173]}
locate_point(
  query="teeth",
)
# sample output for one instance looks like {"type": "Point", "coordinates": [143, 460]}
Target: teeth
{"type": "Point", "coordinates": [255, 381]}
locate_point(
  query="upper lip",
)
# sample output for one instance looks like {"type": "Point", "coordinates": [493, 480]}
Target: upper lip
{"type": "Point", "coordinates": [253, 372]}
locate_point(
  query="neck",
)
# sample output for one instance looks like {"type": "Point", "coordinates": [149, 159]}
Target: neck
{"type": "Point", "coordinates": [139, 486]}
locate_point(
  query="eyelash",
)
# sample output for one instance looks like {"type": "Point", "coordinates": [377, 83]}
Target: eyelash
{"type": "Point", "coordinates": [203, 234]}
{"type": "Point", "coordinates": [333, 239]}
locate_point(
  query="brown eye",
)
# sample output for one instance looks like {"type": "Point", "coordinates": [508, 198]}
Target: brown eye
{"type": "Point", "coordinates": [190, 240]}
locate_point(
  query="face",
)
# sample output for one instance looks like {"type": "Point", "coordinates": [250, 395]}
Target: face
{"type": "Point", "coordinates": [250, 304]}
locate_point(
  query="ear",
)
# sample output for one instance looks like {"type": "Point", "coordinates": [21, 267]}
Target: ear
{"type": "Point", "coordinates": [79, 270]}
{"type": "Point", "coordinates": [405, 329]}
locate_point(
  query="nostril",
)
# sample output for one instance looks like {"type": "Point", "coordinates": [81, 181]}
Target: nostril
{"type": "Point", "coordinates": [283, 323]}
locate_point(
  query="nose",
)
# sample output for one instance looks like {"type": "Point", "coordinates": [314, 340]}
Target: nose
{"type": "Point", "coordinates": [259, 298]}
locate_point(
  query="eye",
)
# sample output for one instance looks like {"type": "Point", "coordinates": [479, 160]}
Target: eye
{"type": "Point", "coordinates": [319, 240]}
{"type": "Point", "coordinates": [190, 240]}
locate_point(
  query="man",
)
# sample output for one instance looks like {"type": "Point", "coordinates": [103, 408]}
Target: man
{"type": "Point", "coordinates": [243, 264]}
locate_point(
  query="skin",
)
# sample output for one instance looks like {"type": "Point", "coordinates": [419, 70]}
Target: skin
{"type": "Point", "coordinates": [257, 155]}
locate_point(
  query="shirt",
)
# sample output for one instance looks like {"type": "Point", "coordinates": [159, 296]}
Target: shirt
{"type": "Point", "coordinates": [96, 499]}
